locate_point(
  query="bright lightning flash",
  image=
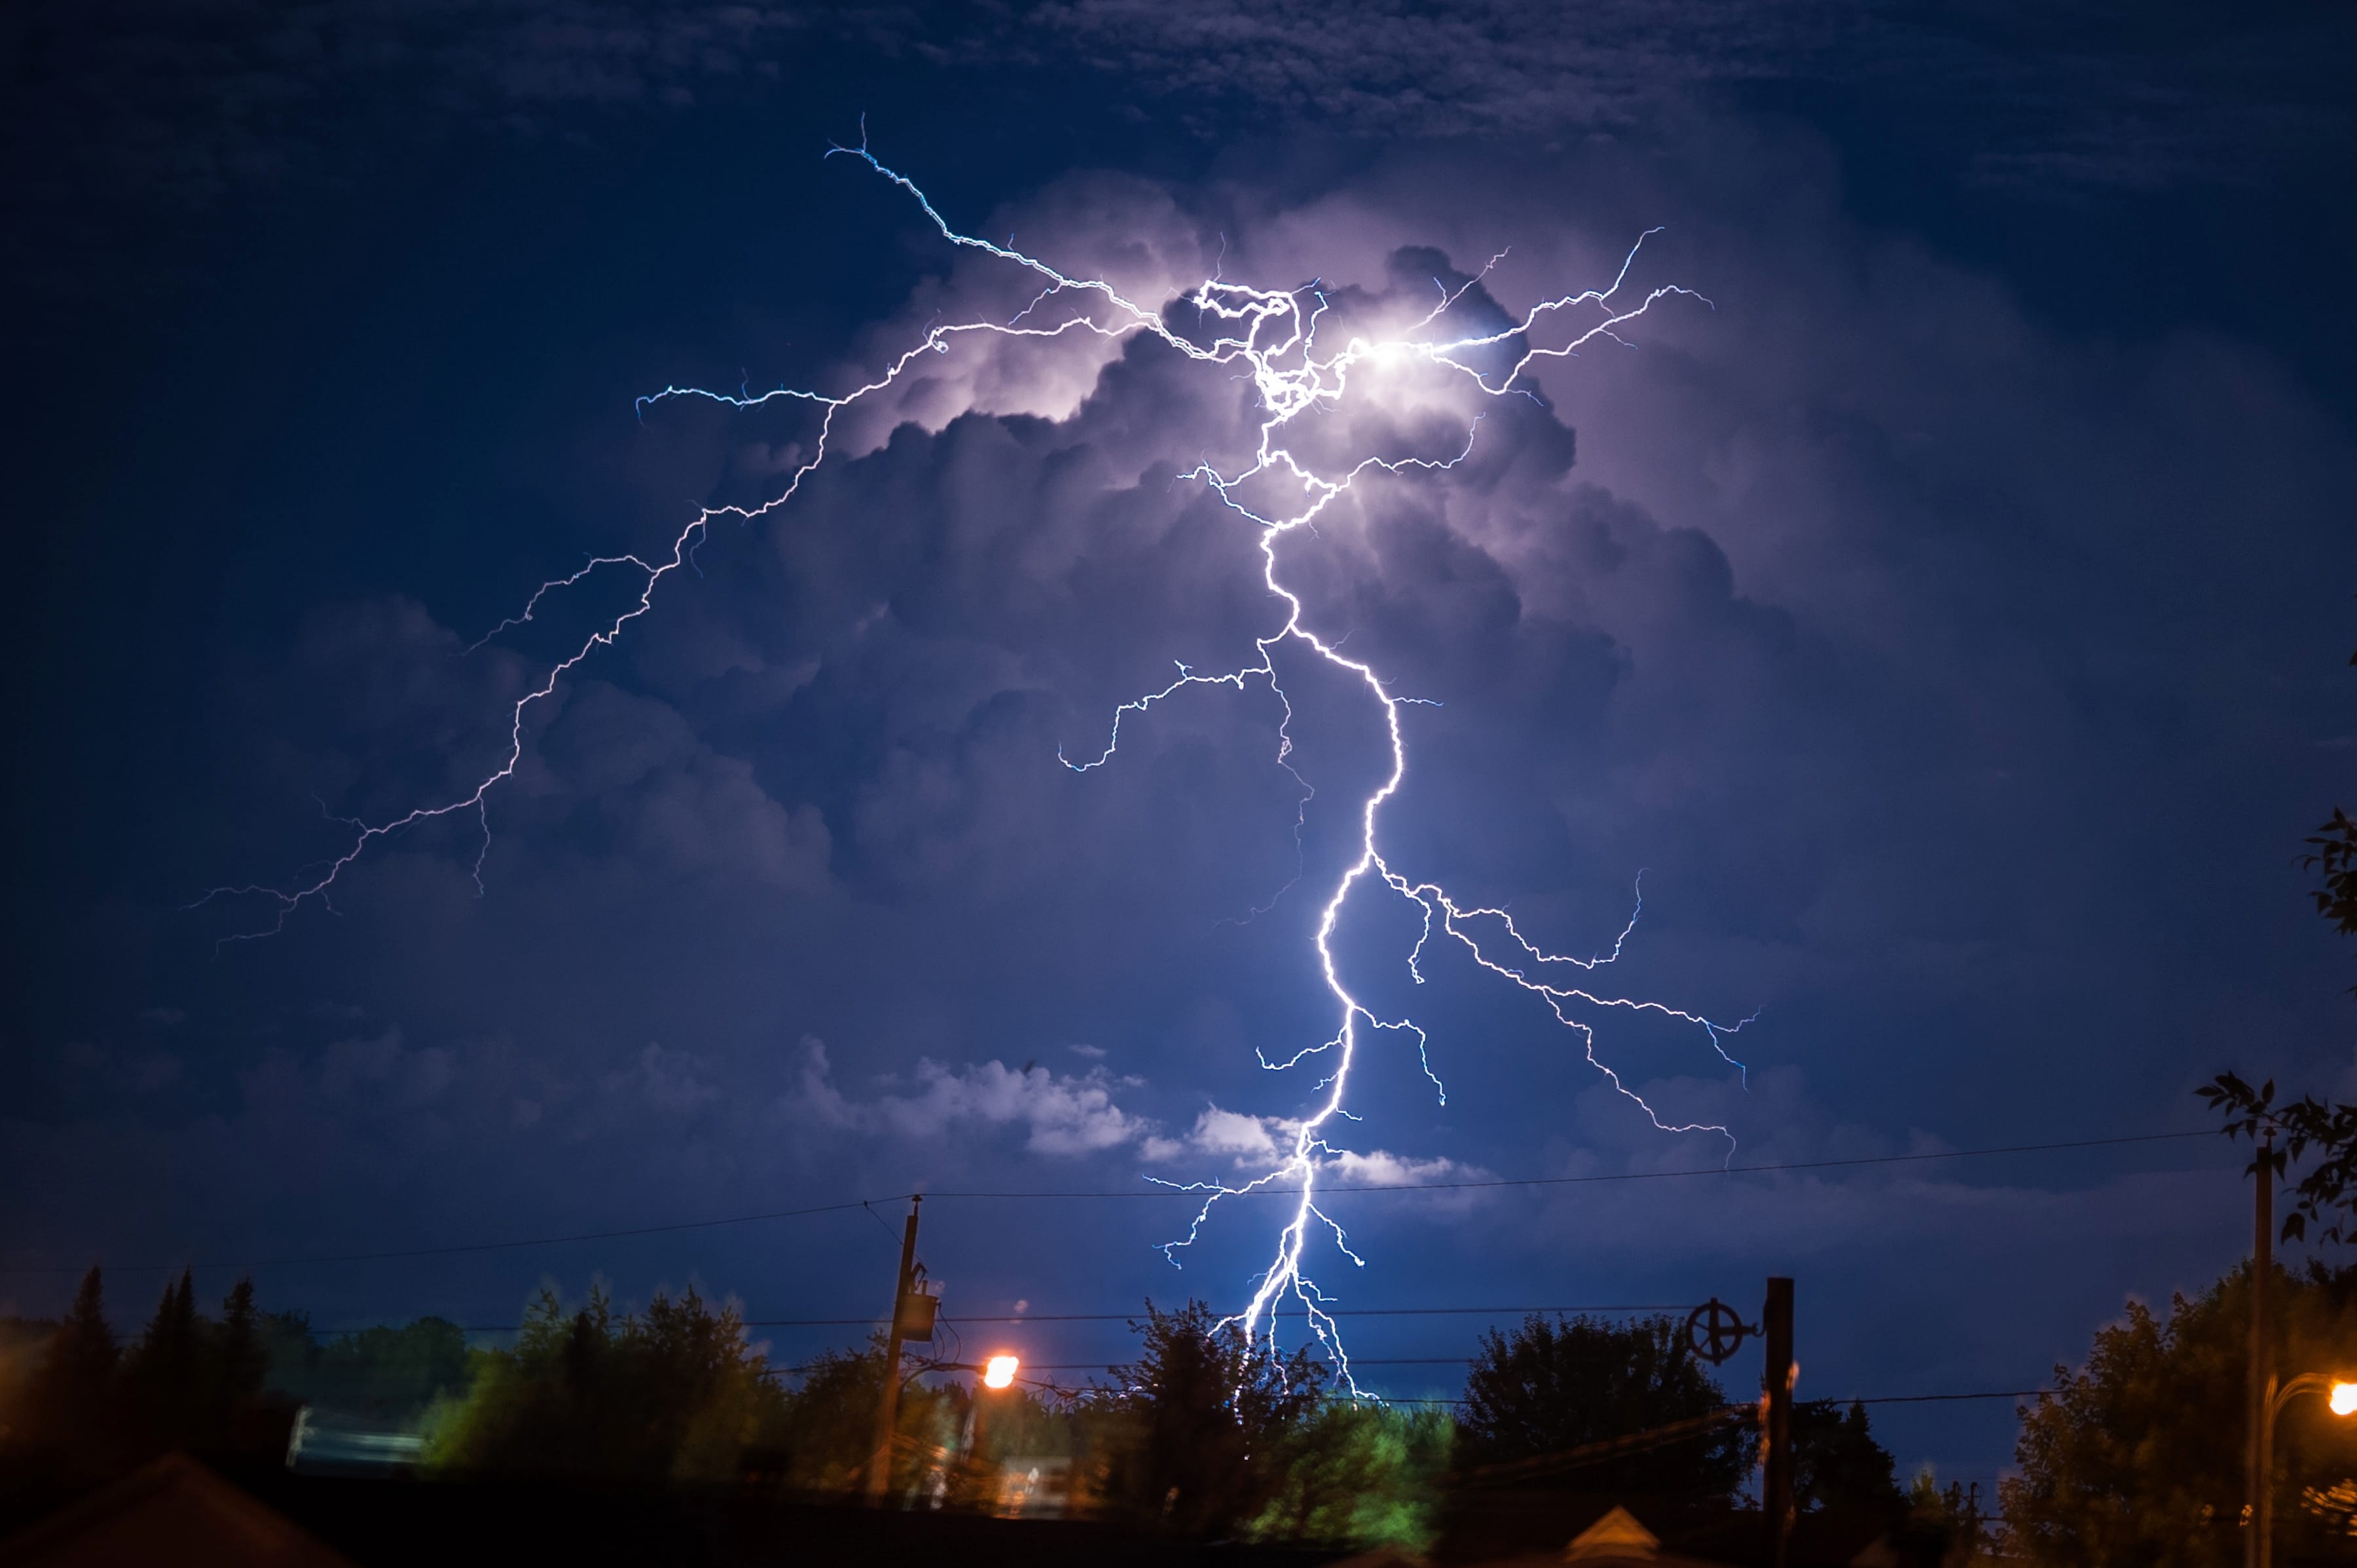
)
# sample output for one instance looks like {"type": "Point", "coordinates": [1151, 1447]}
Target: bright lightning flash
{"type": "Point", "coordinates": [1272, 336]}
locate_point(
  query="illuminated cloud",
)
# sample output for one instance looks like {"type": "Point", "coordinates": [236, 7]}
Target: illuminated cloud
{"type": "Point", "coordinates": [1062, 1115]}
{"type": "Point", "coordinates": [1862, 614]}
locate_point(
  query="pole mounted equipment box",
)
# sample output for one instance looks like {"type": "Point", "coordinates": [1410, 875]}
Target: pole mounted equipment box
{"type": "Point", "coordinates": [919, 1306]}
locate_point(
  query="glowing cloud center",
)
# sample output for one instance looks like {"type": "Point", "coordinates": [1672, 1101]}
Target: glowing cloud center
{"type": "Point", "coordinates": [1272, 336]}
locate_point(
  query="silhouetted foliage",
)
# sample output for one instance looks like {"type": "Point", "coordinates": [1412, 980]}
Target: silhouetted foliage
{"type": "Point", "coordinates": [1014, 1422]}
{"type": "Point", "coordinates": [2333, 853]}
{"type": "Point", "coordinates": [825, 1437]}
{"type": "Point", "coordinates": [669, 1393]}
{"type": "Point", "coordinates": [1003, 1430]}
{"type": "Point", "coordinates": [242, 1358]}
{"type": "Point", "coordinates": [381, 1374]}
{"type": "Point", "coordinates": [1190, 1436]}
{"type": "Point", "coordinates": [2329, 1190]}
{"type": "Point", "coordinates": [166, 1371]}
{"type": "Point", "coordinates": [1361, 1473]}
{"type": "Point", "coordinates": [185, 1383]}
{"type": "Point", "coordinates": [2136, 1459]}
{"type": "Point", "coordinates": [1943, 1525]}
{"type": "Point", "coordinates": [1562, 1383]}
{"type": "Point", "coordinates": [831, 1426]}
{"type": "Point", "coordinates": [2307, 1123]}
{"type": "Point", "coordinates": [72, 1404]}
{"type": "Point", "coordinates": [1838, 1467]}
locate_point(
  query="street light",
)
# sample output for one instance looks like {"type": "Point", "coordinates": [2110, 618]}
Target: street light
{"type": "Point", "coordinates": [2342, 1399]}
{"type": "Point", "coordinates": [999, 1373]}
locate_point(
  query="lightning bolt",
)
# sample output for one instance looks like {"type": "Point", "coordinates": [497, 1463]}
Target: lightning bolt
{"type": "Point", "coordinates": [1270, 335]}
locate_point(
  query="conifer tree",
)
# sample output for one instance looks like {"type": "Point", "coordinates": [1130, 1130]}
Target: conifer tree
{"type": "Point", "coordinates": [166, 1373]}
{"type": "Point", "coordinates": [73, 1396]}
{"type": "Point", "coordinates": [240, 1360]}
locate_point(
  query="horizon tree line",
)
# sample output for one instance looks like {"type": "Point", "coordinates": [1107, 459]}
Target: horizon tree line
{"type": "Point", "coordinates": [1197, 1435]}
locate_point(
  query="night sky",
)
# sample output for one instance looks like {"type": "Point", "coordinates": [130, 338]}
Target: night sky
{"type": "Point", "coordinates": [1950, 622]}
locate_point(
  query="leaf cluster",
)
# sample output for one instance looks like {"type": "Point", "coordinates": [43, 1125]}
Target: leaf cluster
{"type": "Point", "coordinates": [822, 1435]}
{"type": "Point", "coordinates": [2135, 1460]}
{"type": "Point", "coordinates": [383, 1374]}
{"type": "Point", "coordinates": [669, 1393]}
{"type": "Point", "coordinates": [2328, 1192]}
{"type": "Point", "coordinates": [1560, 1383]}
{"type": "Point", "coordinates": [1838, 1466]}
{"type": "Point", "coordinates": [1190, 1436]}
{"type": "Point", "coordinates": [1360, 1471]}
{"type": "Point", "coordinates": [2333, 852]}
{"type": "Point", "coordinates": [92, 1405]}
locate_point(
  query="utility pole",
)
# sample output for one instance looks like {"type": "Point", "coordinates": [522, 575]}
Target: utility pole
{"type": "Point", "coordinates": [1776, 1478]}
{"type": "Point", "coordinates": [2258, 1472]}
{"type": "Point", "coordinates": [879, 1466]}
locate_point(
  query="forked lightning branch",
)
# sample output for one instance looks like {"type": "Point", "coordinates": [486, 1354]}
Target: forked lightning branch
{"type": "Point", "coordinates": [1272, 338]}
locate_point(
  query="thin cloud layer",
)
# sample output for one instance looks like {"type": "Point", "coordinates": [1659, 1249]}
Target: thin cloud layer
{"type": "Point", "coordinates": [1058, 1114]}
{"type": "Point", "coordinates": [1067, 1115]}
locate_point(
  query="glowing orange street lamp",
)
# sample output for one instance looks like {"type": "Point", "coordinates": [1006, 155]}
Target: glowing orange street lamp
{"type": "Point", "coordinates": [2342, 1399]}
{"type": "Point", "coordinates": [999, 1373]}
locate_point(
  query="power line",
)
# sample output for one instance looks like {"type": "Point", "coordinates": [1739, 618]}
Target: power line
{"type": "Point", "coordinates": [1088, 1317]}
{"type": "Point", "coordinates": [1854, 1398]}
{"type": "Point", "coordinates": [1124, 1193]}
{"type": "Point", "coordinates": [1462, 1360]}
{"type": "Point", "coordinates": [1926, 1399]}
{"type": "Point", "coordinates": [458, 1247]}
{"type": "Point", "coordinates": [1335, 1312]}
{"type": "Point", "coordinates": [1355, 1361]}
{"type": "Point", "coordinates": [1615, 1176]}
{"type": "Point", "coordinates": [1329, 1312]}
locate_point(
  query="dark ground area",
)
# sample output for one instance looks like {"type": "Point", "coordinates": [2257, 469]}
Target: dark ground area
{"type": "Point", "coordinates": [375, 1522]}
{"type": "Point", "coordinates": [372, 1521]}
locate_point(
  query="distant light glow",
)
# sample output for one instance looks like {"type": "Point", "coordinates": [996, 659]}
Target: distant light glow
{"type": "Point", "coordinates": [999, 1373]}
{"type": "Point", "coordinates": [2344, 1399]}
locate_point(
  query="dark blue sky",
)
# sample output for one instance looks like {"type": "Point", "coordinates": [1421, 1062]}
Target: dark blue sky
{"type": "Point", "coordinates": [1952, 625]}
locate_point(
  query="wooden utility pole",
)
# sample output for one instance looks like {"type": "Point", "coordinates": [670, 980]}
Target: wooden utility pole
{"type": "Point", "coordinates": [879, 1465]}
{"type": "Point", "coordinates": [1776, 1474]}
{"type": "Point", "coordinates": [2258, 1458]}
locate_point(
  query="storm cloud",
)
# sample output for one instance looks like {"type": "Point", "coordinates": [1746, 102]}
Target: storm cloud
{"type": "Point", "coordinates": [1957, 680]}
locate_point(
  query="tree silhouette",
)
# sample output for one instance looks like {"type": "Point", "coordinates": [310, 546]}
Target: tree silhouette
{"type": "Point", "coordinates": [242, 1361]}
{"type": "Point", "coordinates": [2333, 852]}
{"type": "Point", "coordinates": [2328, 1192]}
{"type": "Point", "coordinates": [1364, 1473]}
{"type": "Point", "coordinates": [380, 1374]}
{"type": "Point", "coordinates": [1561, 1383]}
{"type": "Point", "coordinates": [72, 1400]}
{"type": "Point", "coordinates": [672, 1393]}
{"type": "Point", "coordinates": [1188, 1435]}
{"type": "Point", "coordinates": [1838, 1466]}
{"type": "Point", "coordinates": [165, 1372]}
{"type": "Point", "coordinates": [2137, 1458]}
{"type": "Point", "coordinates": [830, 1431]}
